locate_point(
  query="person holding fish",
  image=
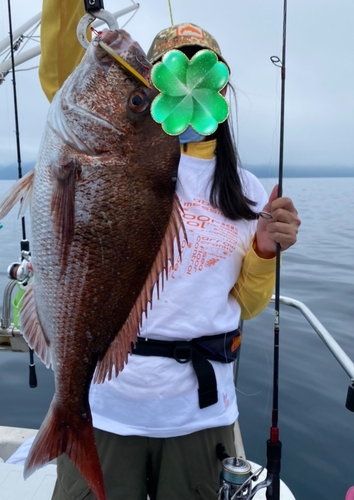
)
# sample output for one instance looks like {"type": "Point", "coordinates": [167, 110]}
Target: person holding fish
{"type": "Point", "coordinates": [157, 424]}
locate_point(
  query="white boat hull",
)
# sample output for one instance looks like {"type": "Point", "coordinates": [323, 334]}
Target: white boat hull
{"type": "Point", "coordinates": [41, 484]}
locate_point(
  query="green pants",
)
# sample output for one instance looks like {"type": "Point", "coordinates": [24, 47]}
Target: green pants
{"type": "Point", "coordinates": [180, 468]}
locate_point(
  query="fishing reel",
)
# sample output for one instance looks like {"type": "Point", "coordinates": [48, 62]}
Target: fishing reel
{"type": "Point", "coordinates": [237, 476]}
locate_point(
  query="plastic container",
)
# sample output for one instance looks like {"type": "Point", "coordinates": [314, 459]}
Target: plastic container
{"type": "Point", "coordinates": [16, 306]}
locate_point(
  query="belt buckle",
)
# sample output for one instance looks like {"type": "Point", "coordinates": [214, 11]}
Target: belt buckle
{"type": "Point", "coordinates": [182, 353]}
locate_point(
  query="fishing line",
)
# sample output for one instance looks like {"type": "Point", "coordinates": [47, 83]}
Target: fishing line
{"type": "Point", "coordinates": [170, 9]}
{"type": "Point", "coordinates": [248, 394]}
{"type": "Point", "coordinates": [261, 346]}
{"type": "Point", "coordinates": [131, 17]}
{"type": "Point", "coordinates": [24, 243]}
{"type": "Point", "coordinates": [273, 140]}
{"type": "Point", "coordinates": [27, 69]}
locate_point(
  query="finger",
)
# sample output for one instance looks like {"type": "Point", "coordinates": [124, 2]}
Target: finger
{"type": "Point", "coordinates": [284, 226]}
{"type": "Point", "coordinates": [285, 240]}
{"type": "Point", "coordinates": [284, 203]}
{"type": "Point", "coordinates": [283, 233]}
{"type": "Point", "coordinates": [273, 196]}
{"type": "Point", "coordinates": [283, 215]}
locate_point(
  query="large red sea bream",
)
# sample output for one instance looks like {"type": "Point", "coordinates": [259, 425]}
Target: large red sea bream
{"type": "Point", "coordinates": [104, 220]}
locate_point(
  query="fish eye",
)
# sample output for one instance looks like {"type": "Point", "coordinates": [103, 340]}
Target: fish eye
{"type": "Point", "coordinates": [138, 101]}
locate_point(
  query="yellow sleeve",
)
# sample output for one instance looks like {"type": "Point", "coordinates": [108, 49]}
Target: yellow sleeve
{"type": "Point", "coordinates": [255, 284]}
{"type": "Point", "coordinates": [61, 51]}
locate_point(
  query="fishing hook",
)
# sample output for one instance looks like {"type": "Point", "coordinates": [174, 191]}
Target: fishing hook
{"type": "Point", "coordinates": [88, 18]}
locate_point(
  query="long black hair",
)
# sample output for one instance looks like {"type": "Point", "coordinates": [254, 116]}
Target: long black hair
{"type": "Point", "coordinates": [226, 191]}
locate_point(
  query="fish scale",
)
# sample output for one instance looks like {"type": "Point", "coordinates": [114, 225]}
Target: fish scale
{"type": "Point", "coordinates": [105, 219]}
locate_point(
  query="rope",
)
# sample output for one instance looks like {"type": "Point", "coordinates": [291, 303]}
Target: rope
{"type": "Point", "coordinates": [170, 9]}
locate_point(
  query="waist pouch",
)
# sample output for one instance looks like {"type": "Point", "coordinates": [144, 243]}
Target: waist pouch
{"type": "Point", "coordinates": [222, 347]}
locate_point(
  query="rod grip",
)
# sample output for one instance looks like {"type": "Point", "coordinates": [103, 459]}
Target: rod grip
{"type": "Point", "coordinates": [349, 404]}
{"type": "Point", "coordinates": [273, 456]}
{"type": "Point", "coordinates": [273, 490]}
{"type": "Point", "coordinates": [32, 377]}
{"type": "Point", "coordinates": [32, 371]}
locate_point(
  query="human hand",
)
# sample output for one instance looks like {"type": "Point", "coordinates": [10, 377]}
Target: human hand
{"type": "Point", "coordinates": [282, 228]}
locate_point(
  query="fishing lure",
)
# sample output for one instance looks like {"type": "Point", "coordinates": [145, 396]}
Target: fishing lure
{"type": "Point", "coordinates": [122, 63]}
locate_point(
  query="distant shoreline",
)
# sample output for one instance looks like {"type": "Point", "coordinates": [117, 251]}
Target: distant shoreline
{"type": "Point", "coordinates": [10, 172]}
{"type": "Point", "coordinates": [300, 171]}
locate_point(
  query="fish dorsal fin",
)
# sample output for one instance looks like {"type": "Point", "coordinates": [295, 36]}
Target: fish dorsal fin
{"type": "Point", "coordinates": [117, 353]}
{"type": "Point", "coordinates": [20, 191]}
{"type": "Point", "coordinates": [32, 329]}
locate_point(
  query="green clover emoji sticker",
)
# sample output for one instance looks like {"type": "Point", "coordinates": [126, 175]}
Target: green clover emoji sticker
{"type": "Point", "coordinates": [189, 92]}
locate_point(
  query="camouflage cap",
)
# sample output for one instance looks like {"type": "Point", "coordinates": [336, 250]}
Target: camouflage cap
{"type": "Point", "coordinates": [181, 35]}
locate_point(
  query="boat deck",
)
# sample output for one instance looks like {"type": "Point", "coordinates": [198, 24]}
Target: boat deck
{"type": "Point", "coordinates": [40, 485]}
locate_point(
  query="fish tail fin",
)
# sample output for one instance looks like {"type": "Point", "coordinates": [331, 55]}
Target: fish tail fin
{"type": "Point", "coordinates": [75, 438]}
{"type": "Point", "coordinates": [21, 191]}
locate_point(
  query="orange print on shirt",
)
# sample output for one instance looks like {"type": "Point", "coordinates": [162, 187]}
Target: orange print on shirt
{"type": "Point", "coordinates": [211, 239]}
{"type": "Point", "coordinates": [211, 262]}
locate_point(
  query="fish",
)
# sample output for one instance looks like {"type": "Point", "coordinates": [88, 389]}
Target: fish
{"type": "Point", "coordinates": [106, 225]}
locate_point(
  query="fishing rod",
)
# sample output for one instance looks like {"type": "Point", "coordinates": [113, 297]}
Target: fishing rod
{"type": "Point", "coordinates": [24, 242]}
{"type": "Point", "coordinates": [274, 445]}
{"type": "Point", "coordinates": [236, 476]}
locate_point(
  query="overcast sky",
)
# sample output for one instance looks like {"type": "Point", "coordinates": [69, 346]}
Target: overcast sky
{"type": "Point", "coordinates": [319, 112]}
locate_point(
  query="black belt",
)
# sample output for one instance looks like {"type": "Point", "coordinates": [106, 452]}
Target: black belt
{"type": "Point", "coordinates": [222, 348]}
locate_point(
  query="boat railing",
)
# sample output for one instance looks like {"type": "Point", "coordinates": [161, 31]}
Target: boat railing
{"type": "Point", "coordinates": [332, 345]}
{"type": "Point", "coordinates": [11, 337]}
{"type": "Point", "coordinates": [342, 358]}
{"type": "Point", "coordinates": [32, 24]}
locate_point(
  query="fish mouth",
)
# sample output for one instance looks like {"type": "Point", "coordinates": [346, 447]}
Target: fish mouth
{"type": "Point", "coordinates": [124, 65]}
{"type": "Point", "coordinates": [124, 51]}
{"type": "Point", "coordinates": [78, 136]}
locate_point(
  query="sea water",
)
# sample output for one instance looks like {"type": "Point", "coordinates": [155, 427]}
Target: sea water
{"type": "Point", "coordinates": [316, 430]}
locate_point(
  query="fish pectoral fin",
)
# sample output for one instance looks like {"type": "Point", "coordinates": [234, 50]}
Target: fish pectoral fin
{"type": "Point", "coordinates": [117, 353]}
{"type": "Point", "coordinates": [22, 190]}
{"type": "Point", "coordinates": [32, 329]}
{"type": "Point", "coordinates": [62, 432]}
{"type": "Point", "coordinates": [64, 177]}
